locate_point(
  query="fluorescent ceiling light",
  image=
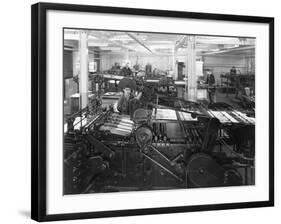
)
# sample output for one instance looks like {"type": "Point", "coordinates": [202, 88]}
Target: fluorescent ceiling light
{"type": "Point", "coordinates": [121, 38]}
{"type": "Point", "coordinates": [111, 48]}
{"type": "Point", "coordinates": [233, 46]}
{"type": "Point", "coordinates": [92, 38]}
{"type": "Point", "coordinates": [125, 37]}
{"type": "Point", "coordinates": [159, 42]}
{"type": "Point", "coordinates": [98, 44]}
{"type": "Point", "coordinates": [166, 46]}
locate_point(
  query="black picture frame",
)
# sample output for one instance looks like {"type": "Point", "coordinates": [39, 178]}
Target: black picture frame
{"type": "Point", "coordinates": [39, 114]}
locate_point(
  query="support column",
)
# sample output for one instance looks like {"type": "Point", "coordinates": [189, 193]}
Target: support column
{"type": "Point", "coordinates": [191, 85]}
{"type": "Point", "coordinates": [83, 76]}
{"type": "Point", "coordinates": [127, 55]}
{"type": "Point", "coordinates": [175, 63]}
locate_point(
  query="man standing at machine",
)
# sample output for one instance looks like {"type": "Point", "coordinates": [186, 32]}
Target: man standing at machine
{"type": "Point", "coordinates": [126, 71]}
{"type": "Point", "coordinates": [211, 86]}
{"type": "Point", "coordinates": [233, 70]}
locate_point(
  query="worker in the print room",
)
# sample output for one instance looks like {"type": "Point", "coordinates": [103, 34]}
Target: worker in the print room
{"type": "Point", "coordinates": [233, 70]}
{"type": "Point", "coordinates": [210, 80]}
{"type": "Point", "coordinates": [129, 100]}
{"type": "Point", "coordinates": [126, 70]}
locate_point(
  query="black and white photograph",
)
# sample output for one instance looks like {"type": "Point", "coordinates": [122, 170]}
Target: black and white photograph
{"type": "Point", "coordinates": [155, 111]}
{"type": "Point", "coordinates": [144, 111]}
{"type": "Point", "coordinates": [140, 111]}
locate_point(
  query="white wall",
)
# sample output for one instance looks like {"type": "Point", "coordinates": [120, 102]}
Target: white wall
{"type": "Point", "coordinates": [159, 62]}
{"type": "Point", "coordinates": [218, 64]}
{"type": "Point", "coordinates": [108, 60]}
{"type": "Point", "coordinates": [15, 113]}
{"type": "Point", "coordinates": [222, 64]}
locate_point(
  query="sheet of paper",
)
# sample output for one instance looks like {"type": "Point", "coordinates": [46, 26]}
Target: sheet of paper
{"type": "Point", "coordinates": [186, 117]}
{"type": "Point", "coordinates": [166, 114]}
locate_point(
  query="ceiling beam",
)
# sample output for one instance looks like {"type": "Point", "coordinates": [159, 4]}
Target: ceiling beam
{"type": "Point", "coordinates": [180, 42]}
{"type": "Point", "coordinates": [105, 38]}
{"type": "Point", "coordinates": [228, 50]}
{"type": "Point", "coordinates": [141, 42]}
{"type": "Point", "coordinates": [226, 40]}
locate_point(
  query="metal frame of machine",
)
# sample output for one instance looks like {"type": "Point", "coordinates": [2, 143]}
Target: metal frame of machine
{"type": "Point", "coordinates": [148, 136]}
{"type": "Point", "coordinates": [106, 135]}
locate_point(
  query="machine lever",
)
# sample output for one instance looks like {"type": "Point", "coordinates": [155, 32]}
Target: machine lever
{"type": "Point", "coordinates": [164, 168]}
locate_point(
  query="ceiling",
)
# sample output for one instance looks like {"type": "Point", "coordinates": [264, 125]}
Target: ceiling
{"type": "Point", "coordinates": [113, 42]}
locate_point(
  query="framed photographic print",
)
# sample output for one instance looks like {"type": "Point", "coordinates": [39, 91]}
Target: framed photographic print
{"type": "Point", "coordinates": [139, 111]}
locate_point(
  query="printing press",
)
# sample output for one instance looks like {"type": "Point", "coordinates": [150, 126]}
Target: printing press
{"type": "Point", "coordinates": [164, 145]}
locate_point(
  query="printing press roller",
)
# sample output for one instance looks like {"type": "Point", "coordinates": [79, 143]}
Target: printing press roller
{"type": "Point", "coordinates": [118, 125]}
{"type": "Point", "coordinates": [231, 117]}
{"type": "Point", "coordinates": [175, 133]}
